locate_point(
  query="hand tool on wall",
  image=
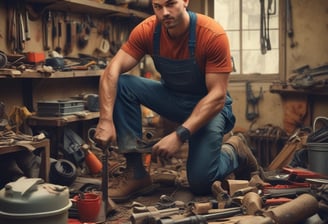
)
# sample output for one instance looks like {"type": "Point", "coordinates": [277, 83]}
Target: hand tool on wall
{"type": "Point", "coordinates": [21, 31]}
{"type": "Point", "coordinates": [265, 14]}
{"type": "Point", "coordinates": [252, 111]}
{"type": "Point", "coordinates": [115, 42]}
{"type": "Point", "coordinates": [11, 26]}
{"type": "Point", "coordinates": [68, 45]}
{"type": "Point", "coordinates": [59, 28]}
{"type": "Point", "coordinates": [289, 26]}
{"type": "Point", "coordinates": [271, 10]}
{"type": "Point", "coordinates": [263, 28]}
{"type": "Point", "coordinates": [104, 43]}
{"type": "Point", "coordinates": [27, 25]}
{"type": "Point", "coordinates": [53, 30]}
{"type": "Point", "coordinates": [83, 38]}
{"type": "Point", "coordinates": [45, 19]}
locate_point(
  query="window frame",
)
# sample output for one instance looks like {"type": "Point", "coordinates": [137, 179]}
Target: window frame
{"type": "Point", "coordinates": [281, 75]}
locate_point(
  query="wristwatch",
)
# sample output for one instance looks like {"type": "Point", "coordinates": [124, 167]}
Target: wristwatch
{"type": "Point", "coordinates": [183, 133]}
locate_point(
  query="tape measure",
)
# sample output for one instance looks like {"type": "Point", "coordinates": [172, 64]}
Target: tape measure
{"type": "Point", "coordinates": [3, 59]}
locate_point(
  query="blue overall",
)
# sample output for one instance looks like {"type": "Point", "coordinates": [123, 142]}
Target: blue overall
{"type": "Point", "coordinates": [181, 87]}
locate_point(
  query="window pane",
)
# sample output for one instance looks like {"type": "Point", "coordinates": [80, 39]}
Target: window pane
{"type": "Point", "coordinates": [255, 62]}
{"type": "Point", "coordinates": [234, 39]}
{"type": "Point", "coordinates": [227, 13]}
{"type": "Point", "coordinates": [251, 40]}
{"type": "Point", "coordinates": [251, 14]}
{"type": "Point", "coordinates": [274, 39]}
{"type": "Point", "coordinates": [243, 29]}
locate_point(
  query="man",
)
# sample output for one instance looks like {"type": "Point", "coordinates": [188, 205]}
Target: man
{"type": "Point", "coordinates": [191, 52]}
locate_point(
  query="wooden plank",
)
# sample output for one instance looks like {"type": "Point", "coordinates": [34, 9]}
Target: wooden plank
{"type": "Point", "coordinates": [45, 155]}
{"type": "Point", "coordinates": [60, 121]}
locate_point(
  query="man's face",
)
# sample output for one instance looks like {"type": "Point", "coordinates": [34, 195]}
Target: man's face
{"type": "Point", "coordinates": [169, 12]}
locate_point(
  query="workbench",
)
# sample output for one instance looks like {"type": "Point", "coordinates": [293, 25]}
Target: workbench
{"type": "Point", "coordinates": [58, 123]}
{"type": "Point", "coordinates": [44, 145]}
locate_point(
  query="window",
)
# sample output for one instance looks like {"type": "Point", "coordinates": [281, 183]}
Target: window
{"type": "Point", "coordinates": [245, 24]}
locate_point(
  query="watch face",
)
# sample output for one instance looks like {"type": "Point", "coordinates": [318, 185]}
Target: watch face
{"type": "Point", "coordinates": [183, 133]}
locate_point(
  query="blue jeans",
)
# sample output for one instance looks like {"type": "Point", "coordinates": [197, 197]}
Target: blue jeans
{"type": "Point", "coordinates": [206, 162]}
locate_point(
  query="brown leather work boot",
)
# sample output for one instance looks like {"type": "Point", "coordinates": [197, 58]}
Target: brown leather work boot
{"type": "Point", "coordinates": [125, 187]}
{"type": "Point", "coordinates": [247, 162]}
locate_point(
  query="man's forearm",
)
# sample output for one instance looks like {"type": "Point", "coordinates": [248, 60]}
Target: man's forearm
{"type": "Point", "coordinates": [107, 94]}
{"type": "Point", "coordinates": [204, 111]}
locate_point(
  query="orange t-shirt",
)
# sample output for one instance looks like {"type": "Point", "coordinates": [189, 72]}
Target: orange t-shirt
{"type": "Point", "coordinates": [212, 46]}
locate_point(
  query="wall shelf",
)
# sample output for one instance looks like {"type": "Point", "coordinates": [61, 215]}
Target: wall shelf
{"type": "Point", "coordinates": [92, 7]}
{"type": "Point", "coordinates": [36, 75]}
{"type": "Point", "coordinates": [284, 88]}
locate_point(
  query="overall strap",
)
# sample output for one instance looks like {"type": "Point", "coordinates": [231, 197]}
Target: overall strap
{"type": "Point", "coordinates": [192, 34]}
{"type": "Point", "coordinates": [157, 38]}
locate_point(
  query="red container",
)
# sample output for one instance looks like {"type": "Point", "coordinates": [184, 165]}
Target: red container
{"type": "Point", "coordinates": [88, 206]}
{"type": "Point", "coordinates": [35, 57]}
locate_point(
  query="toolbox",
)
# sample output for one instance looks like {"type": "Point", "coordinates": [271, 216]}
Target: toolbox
{"type": "Point", "coordinates": [59, 107]}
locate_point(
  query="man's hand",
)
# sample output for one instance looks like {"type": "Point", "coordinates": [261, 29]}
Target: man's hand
{"type": "Point", "coordinates": [105, 132]}
{"type": "Point", "coordinates": [167, 147]}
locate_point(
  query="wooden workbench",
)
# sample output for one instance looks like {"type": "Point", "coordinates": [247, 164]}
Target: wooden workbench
{"type": "Point", "coordinates": [45, 155]}
{"type": "Point", "coordinates": [58, 123]}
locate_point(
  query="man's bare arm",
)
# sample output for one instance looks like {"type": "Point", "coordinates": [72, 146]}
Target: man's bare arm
{"type": "Point", "coordinates": [122, 62]}
{"type": "Point", "coordinates": [211, 104]}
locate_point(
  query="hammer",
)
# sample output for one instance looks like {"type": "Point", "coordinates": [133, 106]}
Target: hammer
{"type": "Point", "coordinates": [107, 203]}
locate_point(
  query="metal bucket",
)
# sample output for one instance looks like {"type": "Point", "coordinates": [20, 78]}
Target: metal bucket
{"type": "Point", "coordinates": [30, 201]}
{"type": "Point", "coordinates": [318, 157]}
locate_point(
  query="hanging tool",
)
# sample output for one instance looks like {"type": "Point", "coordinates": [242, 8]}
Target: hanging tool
{"type": "Point", "coordinates": [11, 26]}
{"type": "Point", "coordinates": [265, 24]}
{"type": "Point", "coordinates": [27, 25]}
{"type": "Point", "coordinates": [233, 64]}
{"type": "Point", "coordinates": [45, 19]}
{"type": "Point", "coordinates": [59, 29]}
{"type": "Point", "coordinates": [53, 30]}
{"type": "Point", "coordinates": [252, 111]}
{"type": "Point", "coordinates": [104, 43]}
{"type": "Point", "coordinates": [263, 38]}
{"type": "Point", "coordinates": [289, 26]}
{"type": "Point", "coordinates": [68, 46]}
{"type": "Point", "coordinates": [270, 12]}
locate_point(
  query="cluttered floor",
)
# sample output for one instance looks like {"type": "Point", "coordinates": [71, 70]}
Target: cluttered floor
{"type": "Point", "coordinates": [285, 195]}
{"type": "Point", "coordinates": [284, 191]}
